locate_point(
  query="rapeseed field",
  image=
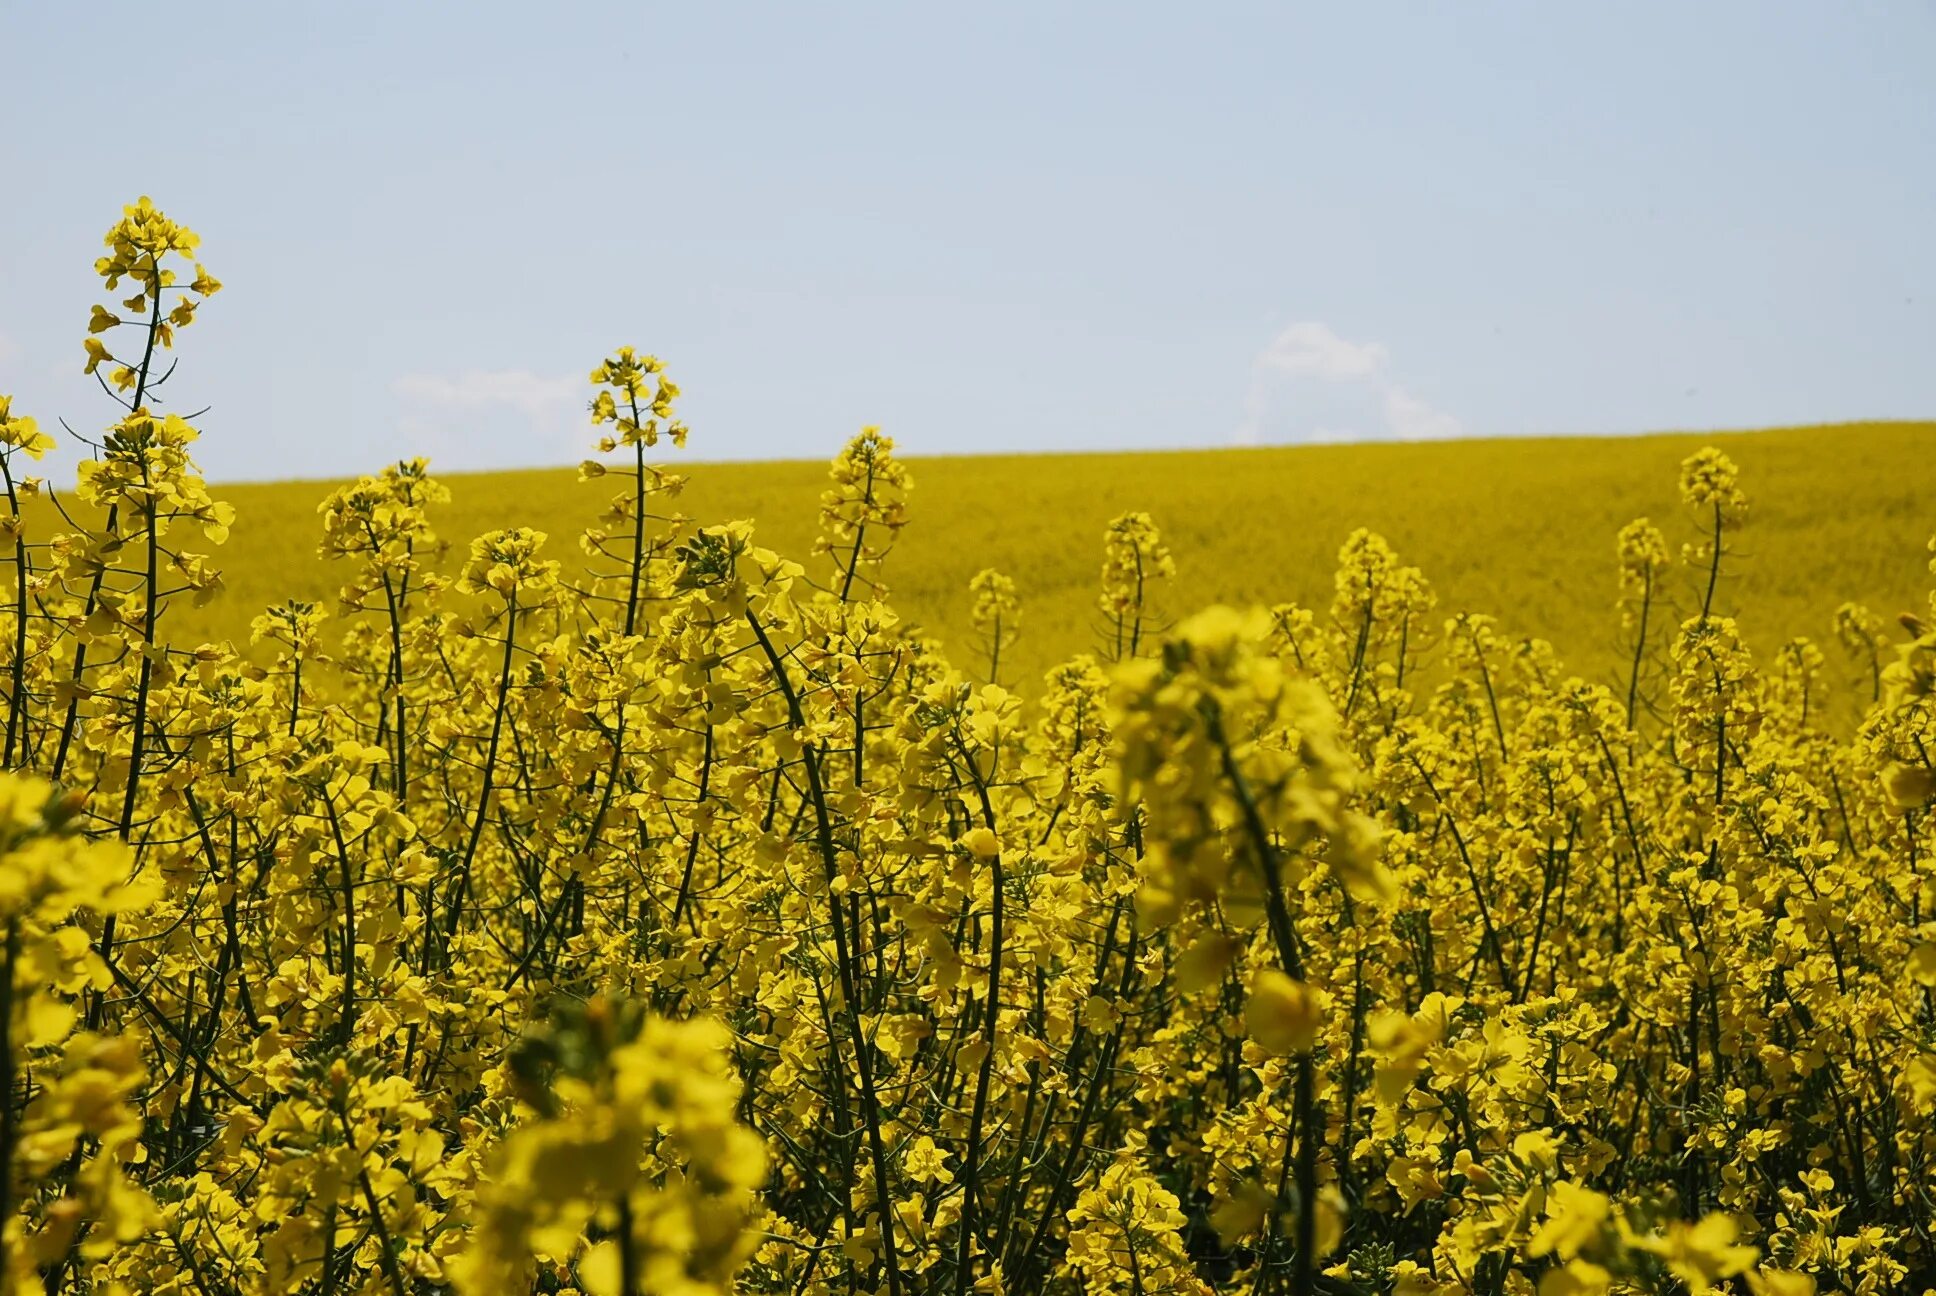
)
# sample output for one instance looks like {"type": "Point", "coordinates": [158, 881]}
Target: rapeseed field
{"type": "Point", "coordinates": [1521, 529]}
{"type": "Point", "coordinates": [621, 905]}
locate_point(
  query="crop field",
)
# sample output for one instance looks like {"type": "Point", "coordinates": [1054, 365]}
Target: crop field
{"type": "Point", "coordinates": [1142, 875]}
{"type": "Point", "coordinates": [1520, 529]}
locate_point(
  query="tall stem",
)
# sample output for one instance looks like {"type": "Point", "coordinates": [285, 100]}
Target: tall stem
{"type": "Point", "coordinates": [849, 991]}
{"type": "Point", "coordinates": [971, 1174]}
{"type": "Point", "coordinates": [17, 703]}
{"type": "Point", "coordinates": [456, 910]}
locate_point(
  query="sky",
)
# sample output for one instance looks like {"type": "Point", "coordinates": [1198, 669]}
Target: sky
{"type": "Point", "coordinates": [990, 227]}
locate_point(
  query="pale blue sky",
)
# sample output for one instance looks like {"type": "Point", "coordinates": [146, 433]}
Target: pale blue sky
{"type": "Point", "coordinates": [987, 227]}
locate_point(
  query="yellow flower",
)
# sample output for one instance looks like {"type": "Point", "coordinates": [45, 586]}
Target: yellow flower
{"type": "Point", "coordinates": [1703, 1253]}
{"type": "Point", "coordinates": [21, 432]}
{"type": "Point", "coordinates": [1576, 1221]}
{"type": "Point", "coordinates": [924, 1162]}
{"type": "Point", "coordinates": [1576, 1278]}
{"type": "Point", "coordinates": [1282, 1015]}
{"type": "Point", "coordinates": [982, 843]}
{"type": "Point", "coordinates": [1910, 786]}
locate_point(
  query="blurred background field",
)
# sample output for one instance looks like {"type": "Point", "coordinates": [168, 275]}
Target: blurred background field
{"type": "Point", "coordinates": [1521, 528]}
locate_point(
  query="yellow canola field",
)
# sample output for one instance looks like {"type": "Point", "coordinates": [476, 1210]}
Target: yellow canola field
{"type": "Point", "coordinates": [664, 917]}
{"type": "Point", "coordinates": [1519, 529]}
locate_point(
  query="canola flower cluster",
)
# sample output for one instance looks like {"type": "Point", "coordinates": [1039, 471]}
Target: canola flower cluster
{"type": "Point", "coordinates": [669, 918]}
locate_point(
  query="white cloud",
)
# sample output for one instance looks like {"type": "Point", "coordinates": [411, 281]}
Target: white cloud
{"type": "Point", "coordinates": [536, 397]}
{"type": "Point", "coordinates": [1310, 349]}
{"type": "Point", "coordinates": [1411, 419]}
{"type": "Point", "coordinates": [1308, 367]}
{"type": "Point", "coordinates": [436, 406]}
